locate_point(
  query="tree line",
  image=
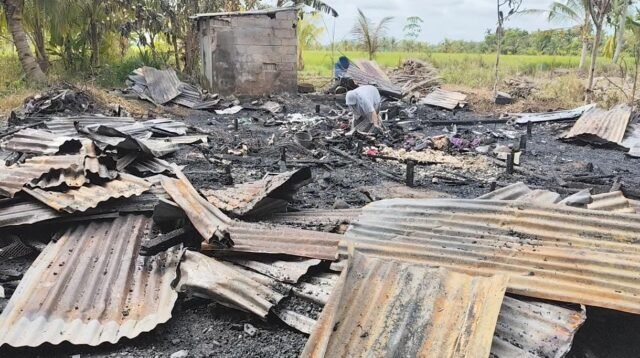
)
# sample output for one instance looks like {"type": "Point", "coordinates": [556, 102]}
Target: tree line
{"type": "Point", "coordinates": [82, 33]}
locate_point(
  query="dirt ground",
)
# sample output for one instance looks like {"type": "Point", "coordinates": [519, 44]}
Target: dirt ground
{"type": "Point", "coordinates": [206, 329]}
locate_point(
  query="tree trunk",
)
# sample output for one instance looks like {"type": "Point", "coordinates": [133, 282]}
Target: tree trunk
{"type": "Point", "coordinates": [13, 13]}
{"type": "Point", "coordinates": [41, 51]}
{"type": "Point", "coordinates": [94, 43]}
{"type": "Point", "coordinates": [496, 75]}
{"type": "Point", "coordinates": [176, 54]}
{"type": "Point", "coordinates": [620, 32]}
{"type": "Point", "coordinates": [583, 55]}
{"type": "Point", "coordinates": [592, 65]}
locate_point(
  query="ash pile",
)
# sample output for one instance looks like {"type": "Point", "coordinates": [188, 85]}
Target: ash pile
{"type": "Point", "coordinates": [420, 241]}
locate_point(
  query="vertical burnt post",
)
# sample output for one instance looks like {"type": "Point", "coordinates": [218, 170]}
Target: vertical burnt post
{"type": "Point", "coordinates": [228, 176]}
{"type": "Point", "coordinates": [410, 173]}
{"type": "Point", "coordinates": [317, 108]}
{"type": "Point", "coordinates": [523, 142]}
{"type": "Point", "coordinates": [492, 186]}
{"type": "Point", "coordinates": [235, 124]}
{"type": "Point", "coordinates": [510, 157]}
{"type": "Point", "coordinates": [529, 128]}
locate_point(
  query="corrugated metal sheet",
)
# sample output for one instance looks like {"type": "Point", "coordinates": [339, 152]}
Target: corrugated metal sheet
{"type": "Point", "coordinates": [207, 277]}
{"type": "Point", "coordinates": [521, 192]}
{"type": "Point", "coordinates": [271, 239]}
{"type": "Point", "coordinates": [39, 141]}
{"type": "Point", "coordinates": [145, 166]}
{"type": "Point", "coordinates": [91, 195]}
{"type": "Point", "coordinates": [612, 202]}
{"type": "Point", "coordinates": [315, 217]}
{"type": "Point", "coordinates": [600, 126]}
{"type": "Point", "coordinates": [65, 125]}
{"type": "Point", "coordinates": [91, 287]}
{"type": "Point", "coordinates": [445, 99]}
{"type": "Point", "coordinates": [16, 213]}
{"type": "Point", "coordinates": [526, 328]}
{"type": "Point", "coordinates": [161, 86]}
{"type": "Point", "coordinates": [250, 199]}
{"type": "Point", "coordinates": [396, 309]}
{"type": "Point", "coordinates": [551, 251]}
{"type": "Point", "coordinates": [534, 329]}
{"type": "Point", "coordinates": [210, 222]}
{"type": "Point", "coordinates": [166, 126]}
{"type": "Point", "coordinates": [364, 72]}
{"type": "Point", "coordinates": [288, 271]}
{"type": "Point", "coordinates": [13, 178]}
{"type": "Point", "coordinates": [524, 118]}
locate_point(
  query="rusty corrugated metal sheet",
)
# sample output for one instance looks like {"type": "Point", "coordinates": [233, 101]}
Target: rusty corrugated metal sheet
{"type": "Point", "coordinates": [288, 271]}
{"type": "Point", "coordinates": [364, 72]}
{"type": "Point", "coordinates": [272, 239]}
{"type": "Point", "coordinates": [551, 251]}
{"type": "Point", "coordinates": [445, 99]}
{"type": "Point", "coordinates": [600, 126]}
{"type": "Point", "coordinates": [39, 141]}
{"type": "Point", "coordinates": [315, 217]}
{"type": "Point", "coordinates": [613, 202]}
{"type": "Point", "coordinates": [146, 166]}
{"type": "Point", "coordinates": [91, 286]}
{"type": "Point", "coordinates": [250, 199]}
{"type": "Point", "coordinates": [36, 170]}
{"type": "Point", "coordinates": [91, 195]}
{"type": "Point", "coordinates": [396, 309]}
{"type": "Point", "coordinates": [20, 212]}
{"type": "Point", "coordinates": [535, 329]}
{"type": "Point", "coordinates": [210, 222]}
{"type": "Point", "coordinates": [207, 277]}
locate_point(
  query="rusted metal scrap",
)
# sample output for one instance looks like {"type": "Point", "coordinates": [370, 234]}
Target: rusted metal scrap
{"type": "Point", "coordinates": [39, 141]}
{"type": "Point", "coordinates": [283, 270]}
{"type": "Point", "coordinates": [550, 251]}
{"type": "Point", "coordinates": [210, 278]}
{"type": "Point", "coordinates": [273, 239]}
{"type": "Point", "coordinates": [269, 195]}
{"type": "Point", "coordinates": [89, 196]}
{"type": "Point", "coordinates": [208, 220]}
{"type": "Point", "coordinates": [91, 287]}
{"type": "Point", "coordinates": [451, 314]}
{"type": "Point", "coordinates": [599, 126]}
{"type": "Point", "coordinates": [48, 171]}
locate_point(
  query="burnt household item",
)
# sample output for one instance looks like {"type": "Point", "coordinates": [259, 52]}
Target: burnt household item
{"type": "Point", "coordinates": [249, 53]}
{"type": "Point", "coordinates": [304, 139]}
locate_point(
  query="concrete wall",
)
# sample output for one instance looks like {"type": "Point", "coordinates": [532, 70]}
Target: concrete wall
{"type": "Point", "coordinates": [250, 54]}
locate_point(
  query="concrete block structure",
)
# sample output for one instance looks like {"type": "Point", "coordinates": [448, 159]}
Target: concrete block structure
{"type": "Point", "coordinates": [249, 53]}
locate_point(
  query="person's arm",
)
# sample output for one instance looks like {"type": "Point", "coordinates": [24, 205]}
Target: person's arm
{"type": "Point", "coordinates": [375, 119]}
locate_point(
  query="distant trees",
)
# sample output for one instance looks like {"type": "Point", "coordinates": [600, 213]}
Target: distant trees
{"type": "Point", "coordinates": [308, 33]}
{"type": "Point", "coordinates": [370, 34]}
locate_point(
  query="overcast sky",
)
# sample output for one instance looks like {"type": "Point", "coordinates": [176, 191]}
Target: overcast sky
{"type": "Point", "coordinates": [452, 19]}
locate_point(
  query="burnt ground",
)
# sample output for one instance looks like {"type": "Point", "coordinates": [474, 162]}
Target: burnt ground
{"type": "Point", "coordinates": [207, 329]}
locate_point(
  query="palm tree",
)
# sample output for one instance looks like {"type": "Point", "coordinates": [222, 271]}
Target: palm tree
{"type": "Point", "coordinates": [575, 12]}
{"type": "Point", "coordinates": [308, 34]}
{"type": "Point", "coordinates": [369, 34]}
{"type": "Point", "coordinates": [315, 4]}
{"type": "Point", "coordinates": [13, 12]}
{"type": "Point", "coordinates": [621, 8]}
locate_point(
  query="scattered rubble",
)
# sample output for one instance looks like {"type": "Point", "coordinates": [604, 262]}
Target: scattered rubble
{"type": "Point", "coordinates": [265, 223]}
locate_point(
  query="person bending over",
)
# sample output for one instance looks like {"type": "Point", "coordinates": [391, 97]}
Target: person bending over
{"type": "Point", "coordinates": [364, 103]}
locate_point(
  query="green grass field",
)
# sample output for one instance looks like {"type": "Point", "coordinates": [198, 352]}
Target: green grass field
{"type": "Point", "coordinates": [472, 70]}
